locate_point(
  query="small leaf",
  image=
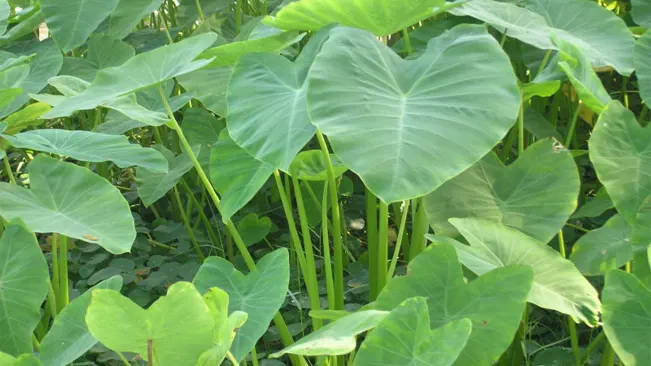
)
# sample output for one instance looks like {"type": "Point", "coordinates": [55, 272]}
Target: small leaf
{"type": "Point", "coordinates": [53, 204]}
{"type": "Point", "coordinates": [253, 229]}
{"type": "Point", "coordinates": [310, 165]}
{"type": "Point", "coordinates": [24, 277]}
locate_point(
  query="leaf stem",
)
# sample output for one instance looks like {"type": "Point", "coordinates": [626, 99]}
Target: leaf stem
{"type": "Point", "coordinates": [330, 287]}
{"type": "Point", "coordinates": [10, 174]}
{"type": "Point", "coordinates": [63, 268]}
{"type": "Point", "coordinates": [570, 131]}
{"type": "Point", "coordinates": [186, 224]}
{"type": "Point", "coordinates": [201, 16]}
{"type": "Point", "coordinates": [521, 127]}
{"type": "Point", "coordinates": [405, 36]}
{"type": "Point", "coordinates": [383, 246]}
{"type": "Point", "coordinates": [576, 351]}
{"type": "Point", "coordinates": [608, 357]}
{"type": "Point", "coordinates": [420, 226]}
{"type": "Point", "coordinates": [401, 233]}
{"type": "Point", "coordinates": [336, 225]}
{"type": "Point", "coordinates": [371, 242]}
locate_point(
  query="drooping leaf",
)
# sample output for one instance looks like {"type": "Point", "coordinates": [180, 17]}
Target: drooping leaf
{"type": "Point", "coordinates": [600, 250]}
{"type": "Point", "coordinates": [253, 229]}
{"type": "Point", "coordinates": [557, 284]}
{"type": "Point", "coordinates": [627, 317]}
{"type": "Point", "coordinates": [619, 151]}
{"type": "Point", "coordinates": [24, 277]}
{"type": "Point", "coordinates": [404, 337]}
{"type": "Point", "coordinates": [53, 204]}
{"type": "Point", "coordinates": [259, 293]}
{"type": "Point", "coordinates": [641, 56]}
{"type": "Point", "coordinates": [91, 146]}
{"type": "Point", "coordinates": [310, 165]}
{"type": "Point", "coordinates": [26, 117]}
{"type": "Point", "coordinates": [601, 35]}
{"type": "Point", "coordinates": [336, 338]}
{"type": "Point", "coordinates": [127, 14]}
{"type": "Point", "coordinates": [209, 86]}
{"type": "Point", "coordinates": [641, 12]}
{"type": "Point", "coordinates": [493, 302]}
{"type": "Point", "coordinates": [392, 121]}
{"type": "Point", "coordinates": [536, 194]}
{"type": "Point", "coordinates": [236, 175]}
{"type": "Point", "coordinates": [152, 186]}
{"type": "Point", "coordinates": [178, 325]}
{"type": "Point", "coordinates": [537, 124]}
{"type": "Point", "coordinates": [585, 81]}
{"type": "Point", "coordinates": [388, 16]}
{"type": "Point", "coordinates": [72, 21]}
{"type": "Point", "coordinates": [142, 71]}
{"type": "Point", "coordinates": [69, 337]}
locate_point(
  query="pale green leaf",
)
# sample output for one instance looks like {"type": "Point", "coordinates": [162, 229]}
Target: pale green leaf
{"type": "Point", "coordinates": [259, 294]}
{"type": "Point", "coordinates": [209, 86]}
{"type": "Point", "coordinates": [641, 56]}
{"type": "Point", "coordinates": [557, 284]}
{"type": "Point", "coordinates": [70, 200]}
{"type": "Point", "coordinates": [404, 337]}
{"type": "Point", "coordinates": [24, 277]}
{"type": "Point", "coordinates": [310, 165]}
{"type": "Point", "coordinates": [641, 12]}
{"type": "Point", "coordinates": [627, 317]}
{"type": "Point", "coordinates": [536, 194]}
{"type": "Point", "coordinates": [91, 146]}
{"type": "Point", "coordinates": [71, 22]}
{"type": "Point", "coordinates": [26, 117]}
{"type": "Point", "coordinates": [493, 302]}
{"type": "Point", "coordinates": [69, 337]}
{"type": "Point", "coordinates": [394, 121]}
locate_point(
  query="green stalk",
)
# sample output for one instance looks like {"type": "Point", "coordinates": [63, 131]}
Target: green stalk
{"type": "Point", "coordinates": [372, 242]}
{"type": "Point", "coordinates": [330, 287]}
{"type": "Point", "coordinates": [10, 174]}
{"type": "Point", "coordinates": [55, 266]}
{"type": "Point", "coordinates": [64, 296]}
{"type": "Point", "coordinates": [420, 227]}
{"type": "Point", "coordinates": [570, 323]}
{"type": "Point", "coordinates": [308, 268]}
{"type": "Point", "coordinates": [570, 132]}
{"type": "Point", "coordinates": [214, 239]}
{"type": "Point", "coordinates": [51, 303]}
{"type": "Point", "coordinates": [594, 345]}
{"type": "Point", "coordinates": [401, 233]}
{"type": "Point", "coordinates": [201, 16]}
{"type": "Point", "coordinates": [336, 226]}
{"type": "Point", "coordinates": [521, 128]}
{"type": "Point", "coordinates": [238, 15]}
{"type": "Point", "coordinates": [123, 359]}
{"type": "Point", "coordinates": [383, 246]}
{"type": "Point", "coordinates": [608, 357]}
{"type": "Point", "coordinates": [405, 36]}
{"type": "Point", "coordinates": [186, 224]}
{"type": "Point", "coordinates": [624, 92]}
{"type": "Point", "coordinates": [250, 263]}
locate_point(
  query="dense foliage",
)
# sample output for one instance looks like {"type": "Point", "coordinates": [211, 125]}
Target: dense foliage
{"type": "Point", "coordinates": [325, 182]}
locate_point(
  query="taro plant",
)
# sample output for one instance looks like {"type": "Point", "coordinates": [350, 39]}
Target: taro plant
{"type": "Point", "coordinates": [325, 182]}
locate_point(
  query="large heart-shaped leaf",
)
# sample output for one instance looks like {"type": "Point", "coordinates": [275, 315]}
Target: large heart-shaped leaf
{"type": "Point", "coordinates": [276, 127]}
{"type": "Point", "coordinates": [336, 338]}
{"type": "Point", "coordinates": [127, 14]}
{"type": "Point", "coordinates": [259, 294]}
{"type": "Point", "coordinates": [54, 204]}
{"type": "Point", "coordinates": [600, 250]}
{"type": "Point", "coordinates": [493, 302]}
{"type": "Point", "coordinates": [226, 326]}
{"type": "Point", "coordinates": [24, 277]}
{"type": "Point", "coordinates": [557, 284]}
{"type": "Point", "coordinates": [600, 34]}
{"type": "Point", "coordinates": [69, 337]}
{"type": "Point", "coordinates": [627, 317]}
{"type": "Point", "coordinates": [620, 150]}
{"type": "Point", "coordinates": [91, 146]}
{"type": "Point", "coordinates": [142, 71]}
{"type": "Point", "coordinates": [388, 16]}
{"type": "Point", "coordinates": [71, 21]}
{"type": "Point", "coordinates": [641, 56]}
{"type": "Point", "coordinates": [152, 186]}
{"type": "Point", "coordinates": [405, 338]}
{"type": "Point", "coordinates": [179, 326]}
{"type": "Point", "coordinates": [536, 194]}
{"type": "Point", "coordinates": [236, 175]}
{"type": "Point", "coordinates": [394, 122]}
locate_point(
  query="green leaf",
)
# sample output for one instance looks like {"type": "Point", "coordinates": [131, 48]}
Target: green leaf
{"type": "Point", "coordinates": [27, 359]}
{"type": "Point", "coordinates": [600, 34]}
{"type": "Point", "coordinates": [536, 194]}
{"type": "Point", "coordinates": [236, 175]}
{"type": "Point", "coordinates": [178, 325]}
{"type": "Point", "coordinates": [641, 12]}
{"type": "Point", "coordinates": [71, 21]}
{"type": "Point", "coordinates": [405, 338]}
{"type": "Point", "coordinates": [187, 12]}
{"type": "Point", "coordinates": [259, 294]}
{"type": "Point", "coordinates": [128, 14]}
{"type": "Point", "coordinates": [554, 356]}
{"type": "Point", "coordinates": [600, 250]}
{"type": "Point", "coordinates": [24, 278]}
{"type": "Point", "coordinates": [537, 124]}
{"type": "Point", "coordinates": [641, 56]}
{"type": "Point", "coordinates": [91, 146]}
{"type": "Point", "coordinates": [69, 337]}
{"type": "Point", "coordinates": [26, 117]}
{"type": "Point", "coordinates": [371, 104]}
{"type": "Point", "coordinates": [152, 186]}
{"type": "Point", "coordinates": [493, 302]}
{"type": "Point", "coordinates": [388, 16]}
{"type": "Point", "coordinates": [557, 284]}
{"type": "Point", "coordinates": [209, 86]}
{"type": "Point", "coordinates": [104, 51]}
{"type": "Point", "coordinates": [627, 317]}
{"type": "Point", "coordinates": [337, 337]}
{"type": "Point", "coordinates": [594, 206]}
{"type": "Point", "coordinates": [621, 156]}
{"type": "Point", "coordinates": [142, 71]}
{"type": "Point", "coordinates": [53, 204]}
{"type": "Point", "coordinates": [310, 165]}
{"type": "Point", "coordinates": [253, 229]}
{"type": "Point", "coordinates": [201, 128]}
{"type": "Point", "coordinates": [584, 79]}
{"type": "Point", "coordinates": [5, 12]}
